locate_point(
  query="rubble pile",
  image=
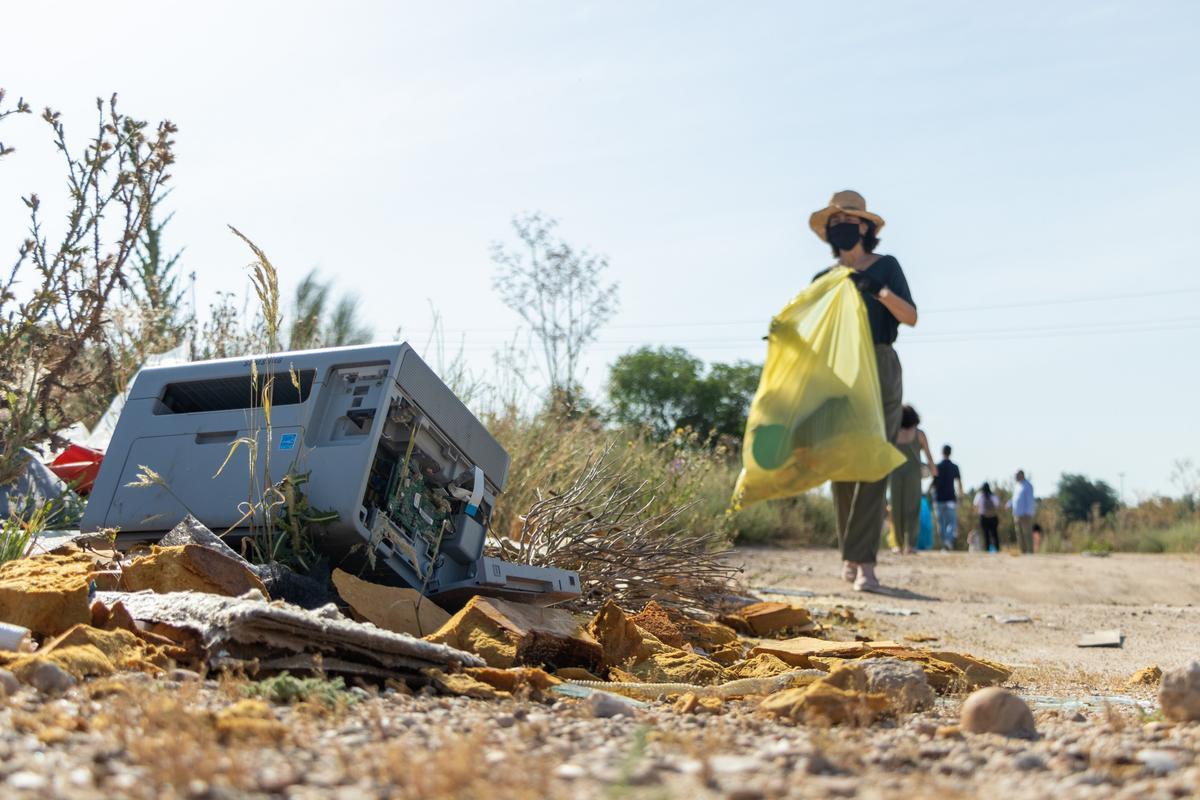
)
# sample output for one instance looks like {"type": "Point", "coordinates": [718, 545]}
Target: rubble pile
{"type": "Point", "coordinates": [194, 602]}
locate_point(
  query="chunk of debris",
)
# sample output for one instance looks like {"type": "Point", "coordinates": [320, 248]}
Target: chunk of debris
{"type": "Point", "coordinates": [767, 618]}
{"type": "Point", "coordinates": [903, 682]}
{"type": "Point", "coordinates": [1105, 638]}
{"type": "Point", "coordinates": [620, 639]}
{"type": "Point", "coordinates": [249, 721]}
{"type": "Point", "coordinates": [48, 593]}
{"type": "Point", "coordinates": [673, 665]}
{"type": "Point", "coordinates": [763, 665]}
{"type": "Point", "coordinates": [841, 698]}
{"type": "Point", "coordinates": [190, 568]}
{"type": "Point", "coordinates": [895, 611]}
{"type": "Point", "coordinates": [978, 672]}
{"type": "Point", "coordinates": [393, 608]}
{"type": "Point", "coordinates": [232, 631]}
{"type": "Point", "coordinates": [515, 680]}
{"type": "Point", "coordinates": [655, 619]}
{"type": "Point", "coordinates": [691, 703]}
{"type": "Point", "coordinates": [1179, 693]}
{"type": "Point", "coordinates": [798, 650]}
{"type": "Point", "coordinates": [995, 710]}
{"type": "Point", "coordinates": [15, 638]}
{"type": "Point", "coordinates": [460, 684]}
{"type": "Point", "coordinates": [1146, 676]}
{"type": "Point", "coordinates": [506, 634]}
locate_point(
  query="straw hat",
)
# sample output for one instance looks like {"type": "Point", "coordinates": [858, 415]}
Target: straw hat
{"type": "Point", "coordinates": [846, 201]}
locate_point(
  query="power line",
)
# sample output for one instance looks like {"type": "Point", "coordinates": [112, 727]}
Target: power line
{"type": "Point", "coordinates": [764, 322]}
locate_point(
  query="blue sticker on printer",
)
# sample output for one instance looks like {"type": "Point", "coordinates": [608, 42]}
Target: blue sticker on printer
{"type": "Point", "coordinates": [287, 441]}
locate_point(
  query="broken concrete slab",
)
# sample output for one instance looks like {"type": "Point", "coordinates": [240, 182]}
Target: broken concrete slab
{"type": "Point", "coordinates": [48, 593]}
{"type": "Point", "coordinates": [767, 618]}
{"type": "Point", "coordinates": [393, 608]}
{"type": "Point", "coordinates": [904, 683]}
{"type": "Point", "coordinates": [190, 568]}
{"type": "Point", "coordinates": [978, 672]}
{"type": "Point", "coordinates": [506, 634]}
{"type": "Point", "coordinates": [229, 630]}
{"type": "Point", "coordinates": [796, 651]}
{"type": "Point", "coordinates": [1104, 638]}
{"type": "Point", "coordinates": [841, 698]}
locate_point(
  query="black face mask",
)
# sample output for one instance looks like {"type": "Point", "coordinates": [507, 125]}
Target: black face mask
{"type": "Point", "coordinates": [844, 235]}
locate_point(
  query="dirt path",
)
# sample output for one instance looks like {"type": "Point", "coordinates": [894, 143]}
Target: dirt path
{"type": "Point", "coordinates": [1154, 600]}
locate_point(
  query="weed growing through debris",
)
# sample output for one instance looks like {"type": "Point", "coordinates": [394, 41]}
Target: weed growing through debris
{"type": "Point", "coordinates": [19, 533]}
{"type": "Point", "coordinates": [287, 689]}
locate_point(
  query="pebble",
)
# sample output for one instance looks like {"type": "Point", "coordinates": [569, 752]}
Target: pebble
{"type": "Point", "coordinates": [26, 780]}
{"type": "Point", "coordinates": [9, 685]}
{"type": "Point", "coordinates": [49, 678]}
{"type": "Point", "coordinates": [996, 710]}
{"type": "Point", "coordinates": [570, 772]}
{"type": "Point", "coordinates": [1159, 762]}
{"type": "Point", "coordinates": [603, 705]}
{"type": "Point", "coordinates": [1028, 762]}
{"type": "Point", "coordinates": [181, 675]}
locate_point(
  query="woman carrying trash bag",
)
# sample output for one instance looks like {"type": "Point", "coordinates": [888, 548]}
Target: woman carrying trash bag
{"type": "Point", "coordinates": [853, 233]}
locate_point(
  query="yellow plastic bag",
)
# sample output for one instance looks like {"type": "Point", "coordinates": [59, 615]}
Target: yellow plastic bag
{"type": "Point", "coordinates": [817, 415]}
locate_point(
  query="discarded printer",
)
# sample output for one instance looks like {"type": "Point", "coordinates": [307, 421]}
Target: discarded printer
{"type": "Point", "coordinates": [411, 474]}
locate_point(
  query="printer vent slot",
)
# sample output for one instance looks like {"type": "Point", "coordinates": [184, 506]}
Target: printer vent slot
{"type": "Point", "coordinates": [233, 393]}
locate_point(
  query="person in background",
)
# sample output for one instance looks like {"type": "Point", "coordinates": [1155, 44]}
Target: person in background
{"type": "Point", "coordinates": [905, 480]}
{"type": "Point", "coordinates": [1023, 507]}
{"type": "Point", "coordinates": [988, 506]}
{"type": "Point", "coordinates": [852, 233]}
{"type": "Point", "coordinates": [1037, 538]}
{"type": "Point", "coordinates": [945, 498]}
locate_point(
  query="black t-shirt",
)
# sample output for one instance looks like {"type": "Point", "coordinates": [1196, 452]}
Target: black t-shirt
{"type": "Point", "coordinates": [887, 271]}
{"type": "Point", "coordinates": [943, 484]}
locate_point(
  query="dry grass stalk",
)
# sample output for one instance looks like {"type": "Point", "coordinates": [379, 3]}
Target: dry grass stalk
{"type": "Point", "coordinates": [602, 527]}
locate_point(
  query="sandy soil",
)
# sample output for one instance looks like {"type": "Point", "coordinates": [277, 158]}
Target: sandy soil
{"type": "Point", "coordinates": [1154, 600]}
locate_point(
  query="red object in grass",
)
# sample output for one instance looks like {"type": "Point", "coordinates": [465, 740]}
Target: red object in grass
{"type": "Point", "coordinates": [78, 466]}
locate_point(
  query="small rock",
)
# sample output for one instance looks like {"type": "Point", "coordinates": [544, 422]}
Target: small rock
{"type": "Point", "coordinates": [569, 772]}
{"type": "Point", "coordinates": [734, 764]}
{"type": "Point", "coordinates": [1179, 693]}
{"type": "Point", "coordinates": [49, 678]}
{"type": "Point", "coordinates": [994, 710]}
{"type": "Point", "coordinates": [183, 675]}
{"type": "Point", "coordinates": [1159, 762]}
{"type": "Point", "coordinates": [506, 721]}
{"type": "Point", "coordinates": [26, 780]}
{"type": "Point", "coordinates": [603, 704]}
{"type": "Point", "coordinates": [1028, 762]}
{"type": "Point", "coordinates": [904, 682]}
{"type": "Point", "coordinates": [8, 683]}
{"type": "Point", "coordinates": [1146, 676]}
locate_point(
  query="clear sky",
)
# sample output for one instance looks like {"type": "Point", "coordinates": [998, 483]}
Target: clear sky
{"type": "Point", "coordinates": [1037, 164]}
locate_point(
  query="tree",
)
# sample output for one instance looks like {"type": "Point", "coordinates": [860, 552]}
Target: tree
{"type": "Point", "coordinates": [559, 292]}
{"type": "Point", "coordinates": [1077, 496]}
{"type": "Point", "coordinates": [656, 388]}
{"type": "Point", "coordinates": [55, 299]}
{"type": "Point", "coordinates": [667, 388]}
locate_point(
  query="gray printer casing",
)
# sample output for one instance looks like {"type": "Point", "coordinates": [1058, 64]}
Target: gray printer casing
{"type": "Point", "coordinates": [336, 413]}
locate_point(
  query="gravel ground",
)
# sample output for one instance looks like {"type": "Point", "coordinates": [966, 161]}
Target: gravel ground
{"type": "Point", "coordinates": [135, 736]}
